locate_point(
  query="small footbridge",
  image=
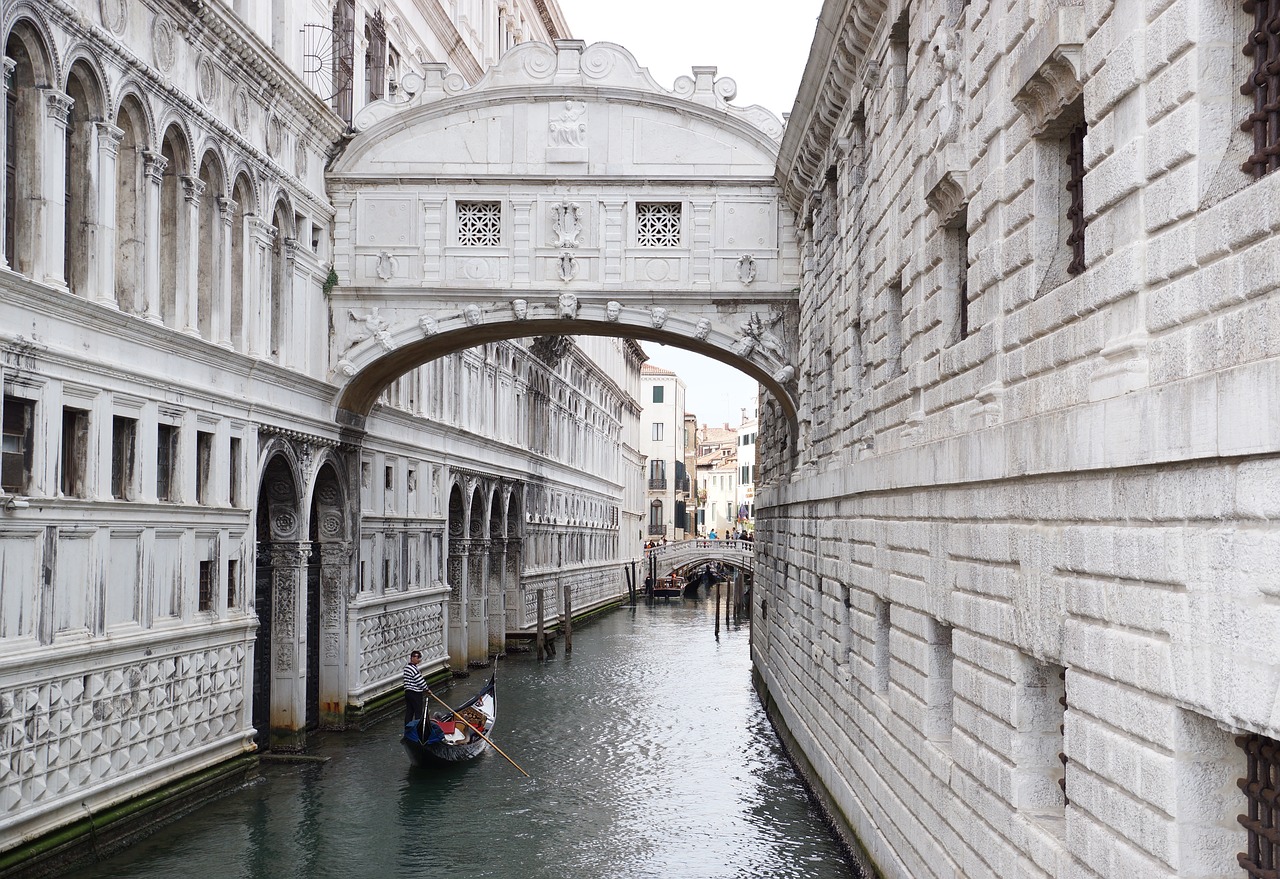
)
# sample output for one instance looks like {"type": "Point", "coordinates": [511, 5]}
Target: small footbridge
{"type": "Point", "coordinates": [668, 558]}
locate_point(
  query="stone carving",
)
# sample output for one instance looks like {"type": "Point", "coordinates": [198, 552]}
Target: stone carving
{"type": "Point", "coordinates": [756, 334]}
{"type": "Point", "coordinates": [946, 55]}
{"type": "Point", "coordinates": [347, 368]}
{"type": "Point", "coordinates": [300, 158]}
{"type": "Point", "coordinates": [240, 111]}
{"type": "Point", "coordinates": [207, 81]}
{"type": "Point", "coordinates": [567, 267]}
{"type": "Point", "coordinates": [785, 375]}
{"type": "Point", "coordinates": [377, 326]}
{"type": "Point", "coordinates": [612, 310]}
{"type": "Point", "coordinates": [428, 325]}
{"type": "Point", "coordinates": [386, 267]}
{"type": "Point", "coordinates": [275, 136]}
{"type": "Point", "coordinates": [472, 314]}
{"type": "Point", "coordinates": [520, 307]}
{"type": "Point", "coordinates": [567, 306]}
{"type": "Point", "coordinates": [658, 316]}
{"type": "Point", "coordinates": [746, 268]}
{"type": "Point", "coordinates": [703, 329]}
{"type": "Point", "coordinates": [164, 40]}
{"type": "Point", "coordinates": [567, 224]}
{"type": "Point", "coordinates": [568, 128]}
{"type": "Point", "coordinates": [115, 15]}
{"type": "Point", "coordinates": [551, 349]}
{"type": "Point", "coordinates": [58, 106]}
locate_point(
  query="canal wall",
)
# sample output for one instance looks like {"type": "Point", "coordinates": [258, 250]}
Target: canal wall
{"type": "Point", "coordinates": [1015, 568]}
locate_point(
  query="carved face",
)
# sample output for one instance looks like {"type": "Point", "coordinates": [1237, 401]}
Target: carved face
{"type": "Point", "coordinates": [521, 308]}
{"type": "Point", "coordinates": [612, 309]}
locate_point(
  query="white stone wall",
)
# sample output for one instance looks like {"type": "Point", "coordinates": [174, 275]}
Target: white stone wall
{"type": "Point", "coordinates": [1077, 499]}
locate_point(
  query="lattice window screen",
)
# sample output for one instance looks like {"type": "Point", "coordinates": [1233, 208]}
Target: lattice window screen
{"type": "Point", "coordinates": [479, 223]}
{"type": "Point", "coordinates": [1263, 86]}
{"type": "Point", "coordinates": [658, 224]}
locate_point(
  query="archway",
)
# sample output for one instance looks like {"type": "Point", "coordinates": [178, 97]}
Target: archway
{"type": "Point", "coordinates": [495, 616]}
{"type": "Point", "coordinates": [328, 579]}
{"type": "Point", "coordinates": [475, 595]}
{"type": "Point", "coordinates": [454, 571]}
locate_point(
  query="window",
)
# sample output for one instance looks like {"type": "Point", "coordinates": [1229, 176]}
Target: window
{"type": "Point", "coordinates": [234, 492]}
{"type": "Point", "coordinates": [124, 437]}
{"type": "Point", "coordinates": [657, 393]}
{"type": "Point", "coordinates": [204, 464]}
{"type": "Point", "coordinates": [1075, 195]}
{"type": "Point", "coordinates": [344, 57]}
{"type": "Point", "coordinates": [166, 458]}
{"type": "Point", "coordinates": [233, 581]}
{"type": "Point", "coordinates": [656, 524]}
{"type": "Point", "coordinates": [658, 224]}
{"type": "Point", "coordinates": [1263, 86]}
{"type": "Point", "coordinates": [1261, 857]}
{"type": "Point", "coordinates": [10, 165]}
{"type": "Point", "coordinates": [479, 223]}
{"type": "Point", "coordinates": [939, 719]}
{"type": "Point", "coordinates": [206, 586]}
{"type": "Point", "coordinates": [375, 56]}
{"type": "Point", "coordinates": [18, 441]}
{"type": "Point", "coordinates": [75, 452]}
{"type": "Point", "coordinates": [657, 431]}
{"type": "Point", "coordinates": [893, 329]}
{"type": "Point", "coordinates": [956, 269]}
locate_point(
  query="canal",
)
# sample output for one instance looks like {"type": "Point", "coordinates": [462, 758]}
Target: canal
{"type": "Point", "coordinates": [650, 755]}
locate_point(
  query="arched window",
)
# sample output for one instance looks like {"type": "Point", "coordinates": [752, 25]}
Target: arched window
{"type": "Point", "coordinates": [130, 202]}
{"type": "Point", "coordinates": [209, 246]}
{"type": "Point", "coordinates": [172, 225]}
{"type": "Point", "coordinates": [242, 194]}
{"type": "Point", "coordinates": [80, 219]}
{"type": "Point", "coordinates": [281, 279]}
{"type": "Point", "coordinates": [24, 124]}
{"type": "Point", "coordinates": [657, 524]}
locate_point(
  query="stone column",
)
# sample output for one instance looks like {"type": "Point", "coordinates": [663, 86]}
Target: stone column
{"type": "Point", "coordinates": [456, 574]}
{"type": "Point", "coordinates": [5, 74]}
{"type": "Point", "coordinates": [477, 624]}
{"type": "Point", "coordinates": [288, 316]}
{"type": "Point", "coordinates": [103, 260]}
{"type": "Point", "coordinates": [188, 294]}
{"type": "Point", "coordinates": [335, 576]}
{"type": "Point", "coordinates": [288, 644]}
{"type": "Point", "coordinates": [51, 255]}
{"type": "Point", "coordinates": [257, 318]}
{"type": "Point", "coordinates": [153, 167]}
{"type": "Point", "coordinates": [497, 597]}
{"type": "Point", "coordinates": [222, 308]}
{"type": "Point", "coordinates": [514, 588]}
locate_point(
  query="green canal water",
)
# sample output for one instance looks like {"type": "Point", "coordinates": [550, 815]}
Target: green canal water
{"type": "Point", "coordinates": [650, 756]}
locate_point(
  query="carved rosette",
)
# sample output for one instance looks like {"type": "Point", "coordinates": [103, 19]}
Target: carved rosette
{"type": "Point", "coordinates": [115, 15]}
{"type": "Point", "coordinates": [208, 83]}
{"type": "Point", "coordinates": [164, 42]}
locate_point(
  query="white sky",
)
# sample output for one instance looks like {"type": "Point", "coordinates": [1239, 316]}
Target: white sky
{"type": "Point", "coordinates": [762, 45]}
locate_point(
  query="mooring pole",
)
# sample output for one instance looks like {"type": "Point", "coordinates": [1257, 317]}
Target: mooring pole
{"type": "Point", "coordinates": [542, 637]}
{"type": "Point", "coordinates": [717, 610]}
{"type": "Point", "coordinates": [568, 619]}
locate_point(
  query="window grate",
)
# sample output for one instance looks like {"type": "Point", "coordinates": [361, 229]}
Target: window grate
{"type": "Point", "coordinates": [658, 224]}
{"type": "Point", "coordinates": [1262, 857]}
{"type": "Point", "coordinates": [479, 223]}
{"type": "Point", "coordinates": [1263, 85]}
{"type": "Point", "coordinates": [1075, 192]}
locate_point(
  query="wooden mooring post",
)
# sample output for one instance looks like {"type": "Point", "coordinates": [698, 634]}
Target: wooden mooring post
{"type": "Point", "coordinates": [568, 619]}
{"type": "Point", "coordinates": [542, 636]}
{"type": "Point", "coordinates": [717, 610]}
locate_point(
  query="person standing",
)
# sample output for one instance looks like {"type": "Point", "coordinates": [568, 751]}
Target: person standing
{"type": "Point", "coordinates": [415, 690]}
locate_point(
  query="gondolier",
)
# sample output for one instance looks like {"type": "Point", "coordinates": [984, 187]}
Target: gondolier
{"type": "Point", "coordinates": [415, 689]}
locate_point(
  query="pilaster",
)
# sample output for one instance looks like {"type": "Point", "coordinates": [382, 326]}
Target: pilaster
{"type": "Point", "coordinates": [53, 142]}
{"type": "Point", "coordinates": [153, 167]}
{"type": "Point", "coordinates": [223, 289]}
{"type": "Point", "coordinates": [6, 75]}
{"type": "Point", "coordinates": [108, 138]}
{"type": "Point", "coordinates": [187, 298]}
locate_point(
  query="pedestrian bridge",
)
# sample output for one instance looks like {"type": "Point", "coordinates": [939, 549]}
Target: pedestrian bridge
{"type": "Point", "coordinates": [670, 557]}
{"type": "Point", "coordinates": [564, 194]}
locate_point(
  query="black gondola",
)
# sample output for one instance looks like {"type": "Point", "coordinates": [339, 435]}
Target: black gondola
{"type": "Point", "coordinates": [452, 738]}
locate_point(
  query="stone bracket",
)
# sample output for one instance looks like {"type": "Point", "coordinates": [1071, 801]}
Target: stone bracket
{"type": "Point", "coordinates": [1048, 71]}
{"type": "Point", "coordinates": [946, 183]}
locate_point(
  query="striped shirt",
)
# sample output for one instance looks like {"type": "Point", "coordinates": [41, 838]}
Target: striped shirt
{"type": "Point", "coordinates": [414, 682]}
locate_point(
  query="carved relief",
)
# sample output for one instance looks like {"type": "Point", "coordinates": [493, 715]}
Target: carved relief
{"type": "Point", "coordinates": [240, 111]}
{"type": "Point", "coordinates": [612, 310]}
{"type": "Point", "coordinates": [207, 81]}
{"type": "Point", "coordinates": [300, 158]}
{"type": "Point", "coordinates": [472, 315]}
{"type": "Point", "coordinates": [275, 136]}
{"type": "Point", "coordinates": [567, 267]}
{"type": "Point", "coordinates": [756, 334]}
{"type": "Point", "coordinates": [520, 308]}
{"type": "Point", "coordinates": [746, 268]}
{"type": "Point", "coordinates": [386, 266]}
{"type": "Point", "coordinates": [428, 325]}
{"type": "Point", "coordinates": [568, 128]}
{"type": "Point", "coordinates": [377, 327]}
{"type": "Point", "coordinates": [347, 368]}
{"type": "Point", "coordinates": [164, 40]}
{"type": "Point", "coordinates": [567, 223]}
{"type": "Point", "coordinates": [946, 55]}
{"type": "Point", "coordinates": [657, 316]}
{"type": "Point", "coordinates": [567, 306]}
{"type": "Point", "coordinates": [703, 329]}
{"type": "Point", "coordinates": [115, 15]}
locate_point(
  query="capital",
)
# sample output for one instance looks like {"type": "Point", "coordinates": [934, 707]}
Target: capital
{"type": "Point", "coordinates": [58, 105]}
{"type": "Point", "coordinates": [227, 207]}
{"type": "Point", "coordinates": [153, 165]}
{"type": "Point", "coordinates": [109, 137]}
{"type": "Point", "coordinates": [192, 189]}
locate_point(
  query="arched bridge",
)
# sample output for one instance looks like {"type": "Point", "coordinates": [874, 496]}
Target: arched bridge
{"type": "Point", "coordinates": [670, 557]}
{"type": "Point", "coordinates": [564, 194]}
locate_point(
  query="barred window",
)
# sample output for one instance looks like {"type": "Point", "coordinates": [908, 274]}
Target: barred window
{"type": "Point", "coordinates": [658, 224]}
{"type": "Point", "coordinates": [479, 223]}
{"type": "Point", "coordinates": [1075, 196]}
{"type": "Point", "coordinates": [1263, 85]}
{"type": "Point", "coordinates": [1261, 859]}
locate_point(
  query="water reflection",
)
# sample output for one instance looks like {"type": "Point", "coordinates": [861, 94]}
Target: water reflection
{"type": "Point", "coordinates": [649, 756]}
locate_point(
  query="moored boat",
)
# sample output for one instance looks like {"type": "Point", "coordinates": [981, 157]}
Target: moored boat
{"type": "Point", "coordinates": [455, 735]}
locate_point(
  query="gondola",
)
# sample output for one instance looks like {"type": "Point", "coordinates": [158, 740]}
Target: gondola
{"type": "Point", "coordinates": [453, 737]}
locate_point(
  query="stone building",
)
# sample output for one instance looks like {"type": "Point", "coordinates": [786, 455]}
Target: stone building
{"type": "Point", "coordinates": [195, 553]}
{"type": "Point", "coordinates": [1015, 576]}
{"type": "Point", "coordinates": [663, 423]}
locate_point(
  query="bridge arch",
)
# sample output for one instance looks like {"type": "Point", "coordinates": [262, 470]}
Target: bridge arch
{"type": "Point", "coordinates": [564, 194]}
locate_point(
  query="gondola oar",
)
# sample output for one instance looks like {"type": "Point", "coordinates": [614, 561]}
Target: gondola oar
{"type": "Point", "coordinates": [477, 732]}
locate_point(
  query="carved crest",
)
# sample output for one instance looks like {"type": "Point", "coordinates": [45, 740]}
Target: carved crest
{"type": "Point", "coordinates": [567, 223]}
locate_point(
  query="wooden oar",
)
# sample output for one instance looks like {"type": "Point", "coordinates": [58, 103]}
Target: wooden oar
{"type": "Point", "coordinates": [477, 732]}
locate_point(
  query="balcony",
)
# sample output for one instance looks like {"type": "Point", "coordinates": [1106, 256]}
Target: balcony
{"type": "Point", "coordinates": [657, 483]}
{"type": "Point", "coordinates": [657, 529]}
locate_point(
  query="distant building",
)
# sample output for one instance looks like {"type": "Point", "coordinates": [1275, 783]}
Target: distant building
{"type": "Point", "coordinates": [662, 426]}
{"type": "Point", "coordinates": [744, 512]}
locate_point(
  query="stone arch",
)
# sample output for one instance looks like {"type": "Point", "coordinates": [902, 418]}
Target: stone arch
{"type": "Point", "coordinates": [330, 582]}
{"type": "Point", "coordinates": [242, 245]}
{"type": "Point", "coordinates": [278, 712]}
{"type": "Point", "coordinates": [175, 153]}
{"type": "Point", "coordinates": [25, 21]}
{"type": "Point", "coordinates": [279, 302]}
{"type": "Point", "coordinates": [495, 598]}
{"type": "Point", "coordinates": [29, 46]}
{"type": "Point", "coordinates": [82, 225]}
{"type": "Point", "coordinates": [133, 120]}
{"type": "Point", "coordinates": [455, 573]}
{"type": "Point", "coordinates": [208, 247]}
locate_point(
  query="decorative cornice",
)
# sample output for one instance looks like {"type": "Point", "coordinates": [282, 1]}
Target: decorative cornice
{"type": "Point", "coordinates": [947, 184]}
{"type": "Point", "coordinates": [1047, 73]}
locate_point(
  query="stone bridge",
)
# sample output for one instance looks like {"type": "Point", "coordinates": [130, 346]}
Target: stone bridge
{"type": "Point", "coordinates": [671, 557]}
{"type": "Point", "coordinates": [566, 193]}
